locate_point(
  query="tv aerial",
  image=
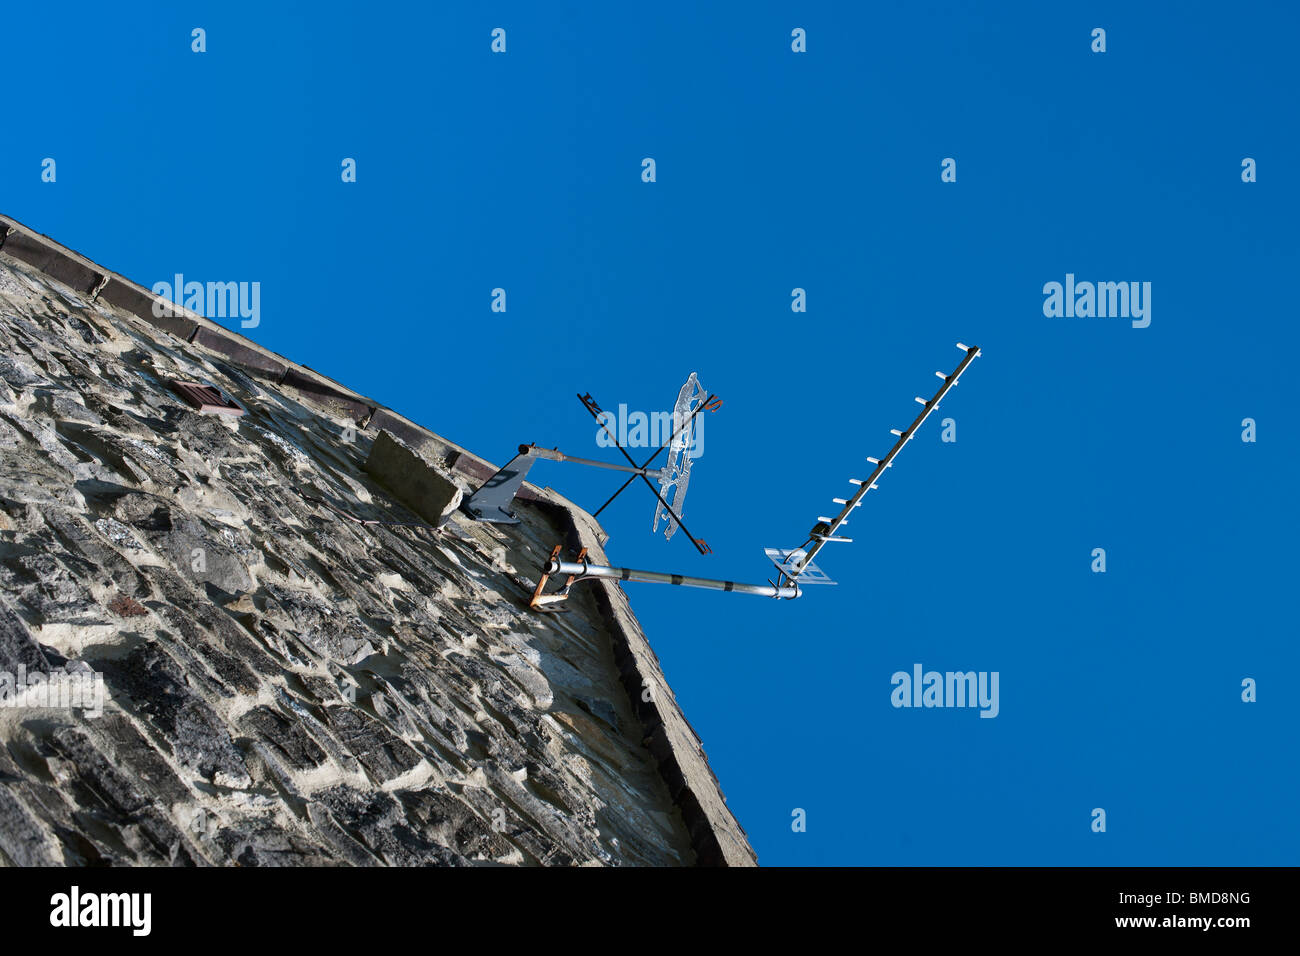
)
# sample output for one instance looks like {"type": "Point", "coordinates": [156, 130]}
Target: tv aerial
{"type": "Point", "coordinates": [794, 567]}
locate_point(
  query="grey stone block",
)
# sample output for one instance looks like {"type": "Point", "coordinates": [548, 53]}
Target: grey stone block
{"type": "Point", "coordinates": [415, 482]}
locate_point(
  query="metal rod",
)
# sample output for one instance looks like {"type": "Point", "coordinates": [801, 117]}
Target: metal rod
{"type": "Point", "coordinates": [658, 451]}
{"type": "Point", "coordinates": [579, 570]}
{"type": "Point", "coordinates": [621, 488]}
{"type": "Point", "coordinates": [827, 530]}
{"type": "Point", "coordinates": [551, 454]}
{"type": "Point", "coordinates": [594, 409]}
{"type": "Point", "coordinates": [708, 400]}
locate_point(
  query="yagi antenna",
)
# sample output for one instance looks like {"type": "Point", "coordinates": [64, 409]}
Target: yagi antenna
{"type": "Point", "coordinates": [826, 530]}
{"type": "Point", "coordinates": [492, 501]}
{"type": "Point", "coordinates": [795, 568]}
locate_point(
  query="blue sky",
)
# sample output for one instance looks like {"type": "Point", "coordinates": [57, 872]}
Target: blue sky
{"type": "Point", "coordinates": [820, 171]}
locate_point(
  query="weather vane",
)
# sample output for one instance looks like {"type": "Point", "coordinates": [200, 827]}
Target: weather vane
{"type": "Point", "coordinates": [492, 501]}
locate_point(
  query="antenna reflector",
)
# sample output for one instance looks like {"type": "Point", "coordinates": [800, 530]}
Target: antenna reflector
{"type": "Point", "coordinates": [790, 564]}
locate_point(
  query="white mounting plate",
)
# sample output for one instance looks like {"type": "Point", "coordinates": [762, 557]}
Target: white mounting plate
{"type": "Point", "coordinates": [785, 560]}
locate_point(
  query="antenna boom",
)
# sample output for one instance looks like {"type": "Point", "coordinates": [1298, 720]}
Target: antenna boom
{"type": "Point", "coordinates": [825, 530]}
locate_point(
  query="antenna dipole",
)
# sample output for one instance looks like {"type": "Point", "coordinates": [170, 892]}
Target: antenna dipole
{"type": "Point", "coordinates": [826, 529]}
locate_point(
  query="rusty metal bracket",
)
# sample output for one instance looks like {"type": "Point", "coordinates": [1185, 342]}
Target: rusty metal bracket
{"type": "Point", "coordinates": [547, 602]}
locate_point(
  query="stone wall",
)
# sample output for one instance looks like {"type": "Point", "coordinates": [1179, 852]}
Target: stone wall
{"type": "Point", "coordinates": [297, 667]}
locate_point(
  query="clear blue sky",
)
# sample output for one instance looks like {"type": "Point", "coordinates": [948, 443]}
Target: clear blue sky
{"type": "Point", "coordinates": [778, 170]}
